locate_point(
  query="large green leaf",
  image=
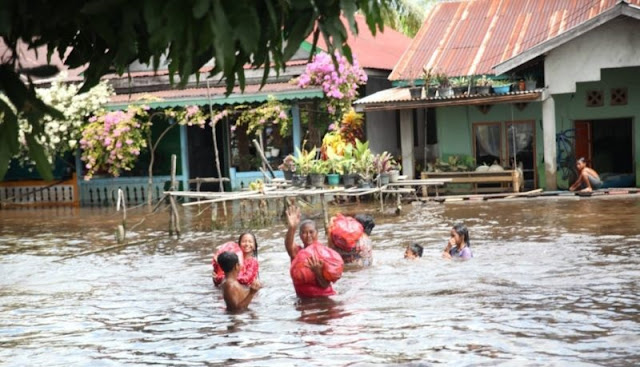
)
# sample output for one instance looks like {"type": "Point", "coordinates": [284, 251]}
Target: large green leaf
{"type": "Point", "coordinates": [36, 152]}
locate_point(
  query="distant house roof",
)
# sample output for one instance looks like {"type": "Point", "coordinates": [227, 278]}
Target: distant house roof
{"type": "Point", "coordinates": [200, 96]}
{"type": "Point", "coordinates": [381, 51]}
{"type": "Point", "coordinates": [470, 37]}
{"type": "Point", "coordinates": [620, 9]}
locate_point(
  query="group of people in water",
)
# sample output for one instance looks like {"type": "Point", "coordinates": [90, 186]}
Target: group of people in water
{"type": "Point", "coordinates": [314, 266]}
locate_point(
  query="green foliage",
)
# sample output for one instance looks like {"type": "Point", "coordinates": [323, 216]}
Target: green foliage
{"type": "Point", "coordinates": [454, 163]}
{"type": "Point", "coordinates": [304, 160]}
{"type": "Point", "coordinates": [107, 36]}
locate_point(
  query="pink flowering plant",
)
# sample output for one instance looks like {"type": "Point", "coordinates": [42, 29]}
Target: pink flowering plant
{"type": "Point", "coordinates": [113, 140]}
{"type": "Point", "coordinates": [339, 83]}
{"type": "Point", "coordinates": [271, 113]}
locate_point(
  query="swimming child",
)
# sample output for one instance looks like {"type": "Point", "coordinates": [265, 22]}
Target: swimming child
{"type": "Point", "coordinates": [236, 296]}
{"type": "Point", "coordinates": [250, 267]}
{"type": "Point", "coordinates": [459, 246]}
{"type": "Point", "coordinates": [309, 236]}
{"type": "Point", "coordinates": [413, 251]}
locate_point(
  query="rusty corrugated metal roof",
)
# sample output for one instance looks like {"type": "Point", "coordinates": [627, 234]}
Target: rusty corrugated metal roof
{"type": "Point", "coordinates": [399, 98]}
{"type": "Point", "coordinates": [470, 37]}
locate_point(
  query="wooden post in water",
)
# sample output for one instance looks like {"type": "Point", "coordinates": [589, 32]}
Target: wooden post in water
{"type": "Point", "coordinates": [174, 219]}
{"type": "Point", "coordinates": [325, 214]}
{"type": "Point", "coordinates": [215, 148]}
{"type": "Point", "coordinates": [121, 231]}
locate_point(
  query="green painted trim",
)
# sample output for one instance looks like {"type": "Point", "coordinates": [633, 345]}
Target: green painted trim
{"type": "Point", "coordinates": [222, 100]}
{"type": "Point", "coordinates": [306, 46]}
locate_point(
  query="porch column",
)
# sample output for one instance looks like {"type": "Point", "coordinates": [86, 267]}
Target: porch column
{"type": "Point", "coordinates": [549, 141]}
{"type": "Point", "coordinates": [296, 128]}
{"type": "Point", "coordinates": [406, 143]}
{"type": "Point", "coordinates": [184, 157]}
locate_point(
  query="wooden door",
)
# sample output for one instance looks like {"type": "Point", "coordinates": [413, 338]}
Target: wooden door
{"type": "Point", "coordinates": [583, 141]}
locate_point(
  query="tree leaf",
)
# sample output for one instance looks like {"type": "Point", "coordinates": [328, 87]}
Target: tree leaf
{"type": "Point", "coordinates": [200, 8]}
{"type": "Point", "coordinates": [42, 71]}
{"type": "Point", "coordinates": [299, 30]}
{"type": "Point", "coordinates": [5, 158]}
{"type": "Point", "coordinates": [9, 128]}
{"type": "Point", "coordinates": [36, 152]}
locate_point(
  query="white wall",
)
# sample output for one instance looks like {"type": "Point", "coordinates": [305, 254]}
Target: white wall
{"type": "Point", "coordinates": [614, 44]}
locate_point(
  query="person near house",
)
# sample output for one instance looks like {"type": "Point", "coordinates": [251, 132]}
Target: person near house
{"type": "Point", "coordinates": [361, 254]}
{"type": "Point", "coordinates": [312, 263]}
{"type": "Point", "coordinates": [588, 178]}
{"type": "Point", "coordinates": [413, 252]}
{"type": "Point", "coordinates": [236, 296]}
{"type": "Point", "coordinates": [459, 246]}
{"type": "Point", "coordinates": [249, 266]}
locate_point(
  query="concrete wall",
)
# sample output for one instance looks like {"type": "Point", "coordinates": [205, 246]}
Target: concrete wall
{"type": "Point", "coordinates": [455, 135]}
{"type": "Point", "coordinates": [381, 127]}
{"type": "Point", "coordinates": [612, 45]}
{"type": "Point", "coordinates": [572, 106]}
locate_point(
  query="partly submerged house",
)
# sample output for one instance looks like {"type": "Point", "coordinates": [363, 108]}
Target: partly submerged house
{"type": "Point", "coordinates": [585, 58]}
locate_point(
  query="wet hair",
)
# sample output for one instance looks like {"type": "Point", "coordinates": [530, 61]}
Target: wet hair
{"type": "Point", "coordinates": [227, 261]}
{"type": "Point", "coordinates": [416, 249]}
{"type": "Point", "coordinates": [462, 230]}
{"type": "Point", "coordinates": [581, 160]}
{"type": "Point", "coordinates": [307, 222]}
{"type": "Point", "coordinates": [367, 222]}
{"type": "Point", "coordinates": [255, 242]}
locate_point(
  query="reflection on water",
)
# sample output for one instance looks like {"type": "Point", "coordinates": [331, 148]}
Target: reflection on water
{"type": "Point", "coordinates": [553, 282]}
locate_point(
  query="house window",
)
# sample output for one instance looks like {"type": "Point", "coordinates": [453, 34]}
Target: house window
{"type": "Point", "coordinates": [487, 139]}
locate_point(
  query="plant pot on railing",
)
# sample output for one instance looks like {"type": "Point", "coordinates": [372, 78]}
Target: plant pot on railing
{"type": "Point", "coordinates": [298, 180]}
{"type": "Point", "coordinates": [483, 89]}
{"type": "Point", "coordinates": [501, 89]}
{"type": "Point", "coordinates": [333, 179]}
{"type": "Point", "coordinates": [431, 92]}
{"type": "Point", "coordinates": [445, 92]}
{"type": "Point", "coordinates": [461, 90]}
{"type": "Point", "coordinates": [317, 179]}
{"type": "Point", "coordinates": [364, 184]}
{"type": "Point", "coordinates": [530, 84]}
{"type": "Point", "coordinates": [415, 92]}
{"type": "Point", "coordinates": [393, 175]}
{"type": "Point", "coordinates": [288, 175]}
{"type": "Point", "coordinates": [384, 178]}
{"type": "Point", "coordinates": [349, 180]}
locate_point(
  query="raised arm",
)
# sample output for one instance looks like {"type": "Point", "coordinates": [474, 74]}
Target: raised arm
{"type": "Point", "coordinates": [316, 266]}
{"type": "Point", "coordinates": [445, 252]}
{"type": "Point", "coordinates": [293, 220]}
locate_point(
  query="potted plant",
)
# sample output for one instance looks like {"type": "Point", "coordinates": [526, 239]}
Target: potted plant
{"type": "Point", "coordinates": [429, 81]}
{"type": "Point", "coordinates": [363, 163]}
{"type": "Point", "coordinates": [335, 168]}
{"type": "Point", "coordinates": [383, 163]}
{"type": "Point", "coordinates": [414, 91]}
{"type": "Point", "coordinates": [394, 172]}
{"type": "Point", "coordinates": [444, 85]}
{"type": "Point", "coordinates": [303, 163]}
{"type": "Point", "coordinates": [288, 167]}
{"type": "Point", "coordinates": [460, 85]}
{"type": "Point", "coordinates": [347, 162]}
{"type": "Point", "coordinates": [318, 172]}
{"type": "Point", "coordinates": [483, 85]}
{"type": "Point", "coordinates": [530, 82]}
{"type": "Point", "coordinates": [501, 86]}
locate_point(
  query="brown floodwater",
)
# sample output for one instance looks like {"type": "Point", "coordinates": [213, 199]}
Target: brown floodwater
{"type": "Point", "coordinates": [553, 282]}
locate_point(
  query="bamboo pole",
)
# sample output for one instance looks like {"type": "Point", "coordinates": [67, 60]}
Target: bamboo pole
{"type": "Point", "coordinates": [121, 232]}
{"type": "Point", "coordinates": [215, 146]}
{"type": "Point", "coordinates": [172, 211]}
{"type": "Point", "coordinates": [325, 214]}
{"type": "Point", "coordinates": [263, 157]}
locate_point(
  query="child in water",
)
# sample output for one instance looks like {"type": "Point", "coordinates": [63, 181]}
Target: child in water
{"type": "Point", "coordinates": [413, 251]}
{"type": "Point", "coordinates": [236, 296]}
{"type": "Point", "coordinates": [250, 267]}
{"type": "Point", "coordinates": [459, 246]}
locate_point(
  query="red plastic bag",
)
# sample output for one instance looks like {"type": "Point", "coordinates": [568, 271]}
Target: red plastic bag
{"type": "Point", "coordinates": [231, 247]}
{"type": "Point", "coordinates": [331, 269]}
{"type": "Point", "coordinates": [345, 232]}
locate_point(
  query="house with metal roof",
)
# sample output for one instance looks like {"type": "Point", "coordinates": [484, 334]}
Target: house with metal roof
{"type": "Point", "coordinates": [194, 146]}
{"type": "Point", "coordinates": [584, 58]}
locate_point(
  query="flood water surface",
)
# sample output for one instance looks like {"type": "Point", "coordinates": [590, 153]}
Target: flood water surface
{"type": "Point", "coordinates": [552, 282]}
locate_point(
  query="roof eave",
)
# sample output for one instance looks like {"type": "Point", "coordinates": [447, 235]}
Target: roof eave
{"type": "Point", "coordinates": [621, 8]}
